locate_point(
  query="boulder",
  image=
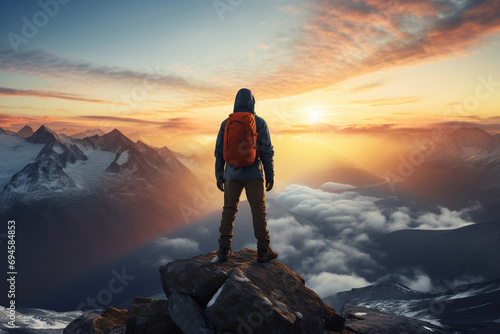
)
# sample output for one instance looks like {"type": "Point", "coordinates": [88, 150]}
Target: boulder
{"type": "Point", "coordinates": [229, 309]}
{"type": "Point", "coordinates": [81, 325]}
{"type": "Point", "coordinates": [188, 314]}
{"type": "Point", "coordinates": [192, 277]}
{"type": "Point", "coordinates": [112, 320]}
{"type": "Point", "coordinates": [146, 315]}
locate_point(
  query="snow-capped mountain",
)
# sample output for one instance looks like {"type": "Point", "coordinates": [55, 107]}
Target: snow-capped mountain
{"type": "Point", "coordinates": [474, 151]}
{"type": "Point", "coordinates": [46, 174]}
{"type": "Point", "coordinates": [54, 171]}
{"type": "Point", "coordinates": [463, 144]}
{"type": "Point", "coordinates": [38, 321]}
{"type": "Point", "coordinates": [471, 308]}
{"type": "Point", "coordinates": [43, 135]}
{"type": "Point", "coordinates": [81, 202]}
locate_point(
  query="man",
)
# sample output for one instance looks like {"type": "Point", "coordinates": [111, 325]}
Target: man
{"type": "Point", "coordinates": [231, 180]}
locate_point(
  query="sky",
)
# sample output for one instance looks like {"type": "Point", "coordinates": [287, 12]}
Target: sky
{"type": "Point", "coordinates": [166, 71]}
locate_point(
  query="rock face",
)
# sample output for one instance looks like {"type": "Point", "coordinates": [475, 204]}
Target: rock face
{"type": "Point", "coordinates": [111, 321]}
{"type": "Point", "coordinates": [244, 296]}
{"type": "Point", "coordinates": [237, 296]}
{"type": "Point", "coordinates": [147, 315]}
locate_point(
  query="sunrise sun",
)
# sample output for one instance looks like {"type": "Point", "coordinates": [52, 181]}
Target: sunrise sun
{"type": "Point", "coordinates": [315, 115]}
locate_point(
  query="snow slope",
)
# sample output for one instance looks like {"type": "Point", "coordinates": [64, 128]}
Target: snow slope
{"type": "Point", "coordinates": [472, 308]}
{"type": "Point", "coordinates": [90, 172]}
{"type": "Point", "coordinates": [38, 321]}
{"type": "Point", "coordinates": [16, 153]}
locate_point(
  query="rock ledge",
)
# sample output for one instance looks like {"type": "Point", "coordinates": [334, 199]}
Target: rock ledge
{"type": "Point", "coordinates": [237, 296]}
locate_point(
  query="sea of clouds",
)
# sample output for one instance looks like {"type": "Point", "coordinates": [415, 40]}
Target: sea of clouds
{"type": "Point", "coordinates": [326, 235]}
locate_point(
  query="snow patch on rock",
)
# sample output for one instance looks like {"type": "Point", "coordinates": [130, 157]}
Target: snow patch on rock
{"type": "Point", "coordinates": [214, 298]}
{"type": "Point", "coordinates": [57, 149]}
{"type": "Point", "coordinates": [123, 158]}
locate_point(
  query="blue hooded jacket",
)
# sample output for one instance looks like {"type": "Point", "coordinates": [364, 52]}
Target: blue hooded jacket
{"type": "Point", "coordinates": [264, 164]}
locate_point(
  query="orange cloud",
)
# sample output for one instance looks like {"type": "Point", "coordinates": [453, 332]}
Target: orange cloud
{"type": "Point", "coordinates": [13, 122]}
{"type": "Point", "coordinates": [366, 87]}
{"type": "Point", "coordinates": [388, 102]}
{"type": "Point", "coordinates": [44, 94]}
{"type": "Point", "coordinates": [344, 39]}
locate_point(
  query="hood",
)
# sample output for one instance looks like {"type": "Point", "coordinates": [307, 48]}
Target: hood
{"type": "Point", "coordinates": [244, 101]}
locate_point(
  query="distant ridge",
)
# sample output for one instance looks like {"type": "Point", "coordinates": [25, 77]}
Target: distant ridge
{"type": "Point", "coordinates": [87, 133]}
{"type": "Point", "coordinates": [6, 132]}
{"type": "Point", "coordinates": [43, 135]}
{"type": "Point", "coordinates": [25, 132]}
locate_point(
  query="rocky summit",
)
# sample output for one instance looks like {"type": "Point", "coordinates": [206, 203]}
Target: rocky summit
{"type": "Point", "coordinates": [236, 296]}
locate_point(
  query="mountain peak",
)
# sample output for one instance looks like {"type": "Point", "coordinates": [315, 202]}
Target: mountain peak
{"type": "Point", "coordinates": [115, 132]}
{"type": "Point", "coordinates": [25, 132]}
{"type": "Point", "coordinates": [43, 135]}
{"type": "Point", "coordinates": [116, 141]}
{"type": "Point", "coordinates": [473, 137]}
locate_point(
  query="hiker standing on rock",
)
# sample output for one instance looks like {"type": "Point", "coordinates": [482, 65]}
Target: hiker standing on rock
{"type": "Point", "coordinates": [243, 156]}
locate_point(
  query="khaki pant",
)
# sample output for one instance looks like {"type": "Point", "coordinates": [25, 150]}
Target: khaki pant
{"type": "Point", "coordinates": [256, 198]}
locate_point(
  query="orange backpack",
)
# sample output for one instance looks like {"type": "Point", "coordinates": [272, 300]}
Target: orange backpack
{"type": "Point", "coordinates": [240, 140]}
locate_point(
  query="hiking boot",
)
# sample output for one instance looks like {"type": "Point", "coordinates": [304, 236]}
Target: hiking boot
{"type": "Point", "coordinates": [223, 253]}
{"type": "Point", "coordinates": [266, 255]}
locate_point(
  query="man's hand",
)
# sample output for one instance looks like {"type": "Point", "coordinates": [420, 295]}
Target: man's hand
{"type": "Point", "coordinates": [269, 185]}
{"type": "Point", "coordinates": [220, 185]}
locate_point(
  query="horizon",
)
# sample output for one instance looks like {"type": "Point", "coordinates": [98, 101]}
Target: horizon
{"type": "Point", "coordinates": [382, 154]}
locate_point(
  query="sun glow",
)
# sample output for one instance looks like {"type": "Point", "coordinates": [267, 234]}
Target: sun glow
{"type": "Point", "coordinates": [315, 115]}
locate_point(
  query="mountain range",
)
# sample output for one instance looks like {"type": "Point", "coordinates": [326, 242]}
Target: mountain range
{"type": "Point", "coordinates": [470, 308]}
{"type": "Point", "coordinates": [81, 202]}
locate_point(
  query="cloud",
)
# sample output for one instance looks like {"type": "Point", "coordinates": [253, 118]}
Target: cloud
{"type": "Point", "coordinates": [179, 124]}
{"type": "Point", "coordinates": [292, 236]}
{"type": "Point", "coordinates": [421, 282]}
{"type": "Point", "coordinates": [367, 129]}
{"type": "Point", "coordinates": [184, 124]}
{"type": "Point", "coordinates": [153, 81]}
{"type": "Point", "coordinates": [327, 284]}
{"type": "Point", "coordinates": [119, 119]}
{"type": "Point", "coordinates": [343, 39]}
{"type": "Point", "coordinates": [318, 127]}
{"type": "Point", "coordinates": [178, 244]}
{"type": "Point", "coordinates": [330, 235]}
{"type": "Point", "coordinates": [45, 94]}
{"type": "Point", "coordinates": [388, 101]}
{"type": "Point", "coordinates": [366, 87]}
{"type": "Point", "coordinates": [38, 62]}
{"type": "Point", "coordinates": [331, 42]}
{"type": "Point", "coordinates": [334, 187]}
{"type": "Point", "coordinates": [443, 220]}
